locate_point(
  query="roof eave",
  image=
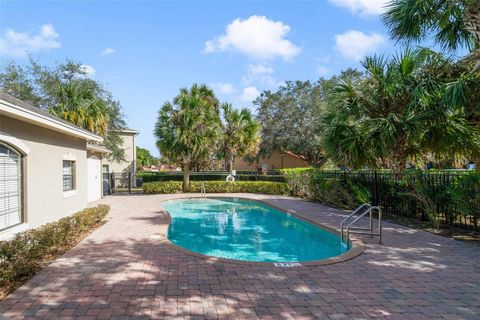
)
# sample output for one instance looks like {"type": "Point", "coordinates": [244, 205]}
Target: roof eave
{"type": "Point", "coordinates": [20, 113]}
{"type": "Point", "coordinates": [131, 131]}
{"type": "Point", "coordinates": [97, 148]}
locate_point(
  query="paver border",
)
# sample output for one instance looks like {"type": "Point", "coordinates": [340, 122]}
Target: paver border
{"type": "Point", "coordinates": [355, 250]}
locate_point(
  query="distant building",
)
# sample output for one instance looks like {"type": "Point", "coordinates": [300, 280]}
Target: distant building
{"type": "Point", "coordinates": [277, 160]}
{"type": "Point", "coordinates": [129, 145]}
{"type": "Point", "coordinates": [152, 168]}
{"type": "Point", "coordinates": [157, 168]}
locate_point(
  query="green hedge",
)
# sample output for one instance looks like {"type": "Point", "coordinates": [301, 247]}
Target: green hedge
{"type": "Point", "coordinates": [30, 251]}
{"type": "Point", "coordinates": [162, 187]}
{"type": "Point", "coordinates": [313, 184]}
{"type": "Point", "coordinates": [265, 187]}
{"type": "Point", "coordinates": [160, 176]}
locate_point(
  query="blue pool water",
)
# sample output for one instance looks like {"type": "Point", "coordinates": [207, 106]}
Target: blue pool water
{"type": "Point", "coordinates": [247, 230]}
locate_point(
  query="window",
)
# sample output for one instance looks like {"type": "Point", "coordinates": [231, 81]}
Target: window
{"type": "Point", "coordinates": [10, 187]}
{"type": "Point", "coordinates": [68, 175]}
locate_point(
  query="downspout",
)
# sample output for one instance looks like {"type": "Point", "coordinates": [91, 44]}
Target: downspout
{"type": "Point", "coordinates": [134, 169]}
{"type": "Point", "coordinates": [134, 157]}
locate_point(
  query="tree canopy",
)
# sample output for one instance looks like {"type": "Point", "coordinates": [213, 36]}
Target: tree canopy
{"type": "Point", "coordinates": [453, 24]}
{"type": "Point", "coordinates": [400, 111]}
{"type": "Point", "coordinates": [240, 132]}
{"type": "Point", "coordinates": [67, 92]}
{"type": "Point", "coordinates": [145, 158]}
{"type": "Point", "coordinates": [291, 118]}
{"type": "Point", "coordinates": [417, 105]}
{"type": "Point", "coordinates": [188, 128]}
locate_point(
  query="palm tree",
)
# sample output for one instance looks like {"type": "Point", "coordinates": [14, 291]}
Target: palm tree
{"type": "Point", "coordinates": [240, 133]}
{"type": "Point", "coordinates": [188, 128]}
{"type": "Point", "coordinates": [82, 108]}
{"type": "Point", "coordinates": [398, 113]}
{"type": "Point", "coordinates": [454, 24]}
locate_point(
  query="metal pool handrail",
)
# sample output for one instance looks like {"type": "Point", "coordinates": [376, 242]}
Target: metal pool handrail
{"type": "Point", "coordinates": [358, 230]}
{"type": "Point", "coordinates": [202, 190]}
{"type": "Point", "coordinates": [365, 205]}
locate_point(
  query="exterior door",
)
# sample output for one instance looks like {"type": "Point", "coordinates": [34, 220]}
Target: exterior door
{"type": "Point", "coordinates": [94, 184]}
{"type": "Point", "coordinates": [10, 187]}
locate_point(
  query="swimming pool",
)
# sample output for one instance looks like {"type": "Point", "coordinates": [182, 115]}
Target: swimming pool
{"type": "Point", "coordinates": [247, 230]}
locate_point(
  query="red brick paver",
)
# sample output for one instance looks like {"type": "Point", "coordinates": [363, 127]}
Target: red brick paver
{"type": "Point", "coordinates": [123, 271]}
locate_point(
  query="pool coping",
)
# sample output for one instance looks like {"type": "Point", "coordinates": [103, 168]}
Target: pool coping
{"type": "Point", "coordinates": [356, 249]}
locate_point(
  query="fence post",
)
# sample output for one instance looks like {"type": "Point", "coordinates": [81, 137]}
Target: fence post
{"type": "Point", "coordinates": [129, 182]}
{"type": "Point", "coordinates": [375, 188]}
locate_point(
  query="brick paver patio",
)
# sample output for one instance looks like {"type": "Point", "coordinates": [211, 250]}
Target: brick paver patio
{"type": "Point", "coordinates": [122, 271]}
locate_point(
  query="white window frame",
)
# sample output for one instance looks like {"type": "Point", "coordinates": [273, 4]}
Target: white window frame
{"type": "Point", "coordinates": [21, 214]}
{"type": "Point", "coordinates": [24, 150]}
{"type": "Point", "coordinates": [73, 191]}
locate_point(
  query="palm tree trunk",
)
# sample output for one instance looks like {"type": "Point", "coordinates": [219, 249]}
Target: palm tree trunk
{"type": "Point", "coordinates": [315, 159]}
{"type": "Point", "coordinates": [186, 177]}
{"type": "Point", "coordinates": [228, 161]}
{"type": "Point", "coordinates": [398, 163]}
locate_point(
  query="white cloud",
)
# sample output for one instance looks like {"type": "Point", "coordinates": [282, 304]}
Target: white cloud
{"type": "Point", "coordinates": [259, 74]}
{"type": "Point", "coordinates": [259, 69]}
{"type": "Point", "coordinates": [356, 44]}
{"type": "Point", "coordinates": [19, 44]}
{"type": "Point", "coordinates": [89, 70]}
{"type": "Point", "coordinates": [224, 88]}
{"type": "Point", "coordinates": [362, 7]}
{"type": "Point", "coordinates": [107, 51]}
{"type": "Point", "coordinates": [325, 59]}
{"type": "Point", "coordinates": [323, 70]}
{"type": "Point", "coordinates": [249, 94]}
{"type": "Point", "coordinates": [257, 37]}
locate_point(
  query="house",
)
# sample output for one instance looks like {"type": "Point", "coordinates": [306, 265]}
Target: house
{"type": "Point", "coordinates": [121, 169]}
{"type": "Point", "coordinates": [49, 168]}
{"type": "Point", "coordinates": [162, 167]}
{"type": "Point", "coordinates": [276, 160]}
{"type": "Point", "coordinates": [129, 145]}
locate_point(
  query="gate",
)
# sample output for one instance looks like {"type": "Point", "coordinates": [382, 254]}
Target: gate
{"type": "Point", "coordinates": [106, 180]}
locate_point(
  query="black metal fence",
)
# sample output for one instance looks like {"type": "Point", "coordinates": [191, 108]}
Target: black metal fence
{"type": "Point", "coordinates": [452, 197]}
{"type": "Point", "coordinates": [121, 182]}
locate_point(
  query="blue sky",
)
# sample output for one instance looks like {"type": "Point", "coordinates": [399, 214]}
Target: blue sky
{"type": "Point", "coordinates": [144, 51]}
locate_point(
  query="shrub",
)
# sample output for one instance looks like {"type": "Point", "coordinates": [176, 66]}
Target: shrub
{"type": "Point", "coordinates": [423, 196]}
{"type": "Point", "coordinates": [346, 194]}
{"type": "Point", "coordinates": [465, 196]}
{"type": "Point", "coordinates": [299, 181]}
{"type": "Point", "coordinates": [29, 251]}
{"type": "Point", "coordinates": [162, 187]}
{"type": "Point", "coordinates": [265, 187]}
{"type": "Point", "coordinates": [317, 185]}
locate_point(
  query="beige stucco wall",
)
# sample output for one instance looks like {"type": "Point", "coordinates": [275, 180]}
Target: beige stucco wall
{"type": "Point", "coordinates": [44, 199]}
{"type": "Point", "coordinates": [129, 147]}
{"type": "Point", "coordinates": [276, 160]}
